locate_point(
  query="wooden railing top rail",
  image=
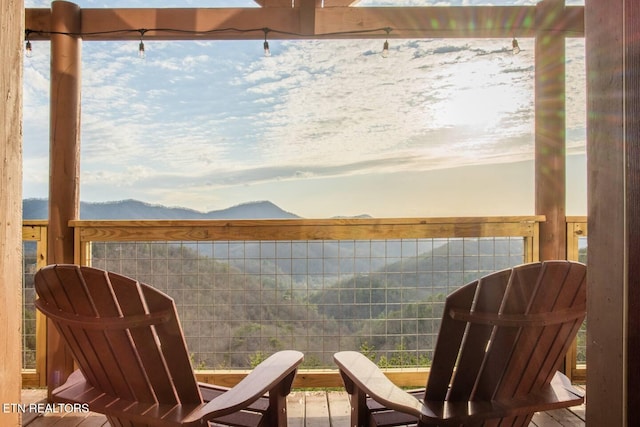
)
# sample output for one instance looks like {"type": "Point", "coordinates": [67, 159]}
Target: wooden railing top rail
{"type": "Point", "coordinates": [35, 222]}
{"type": "Point", "coordinates": [318, 221]}
{"type": "Point", "coordinates": [576, 218]}
{"type": "Point", "coordinates": [305, 229]}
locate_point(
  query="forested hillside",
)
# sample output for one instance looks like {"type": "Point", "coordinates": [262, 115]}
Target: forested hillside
{"type": "Point", "coordinates": [237, 308]}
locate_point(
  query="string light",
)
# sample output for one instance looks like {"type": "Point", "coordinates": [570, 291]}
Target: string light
{"type": "Point", "coordinates": [141, 52]}
{"type": "Point", "coordinates": [195, 34]}
{"type": "Point", "coordinates": [28, 52]}
{"type": "Point", "coordinates": [385, 46]}
{"type": "Point", "coordinates": [267, 51]}
{"type": "Point", "coordinates": [515, 46]}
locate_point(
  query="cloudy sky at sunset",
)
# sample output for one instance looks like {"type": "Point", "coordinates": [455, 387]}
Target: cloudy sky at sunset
{"type": "Point", "coordinates": [320, 128]}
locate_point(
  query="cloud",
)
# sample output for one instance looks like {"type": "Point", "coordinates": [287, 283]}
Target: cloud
{"type": "Point", "coordinates": [325, 103]}
{"type": "Point", "coordinates": [195, 117]}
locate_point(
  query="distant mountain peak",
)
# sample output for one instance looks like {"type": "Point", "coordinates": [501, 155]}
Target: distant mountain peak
{"type": "Point", "coordinates": [136, 209]}
{"type": "Point", "coordinates": [262, 209]}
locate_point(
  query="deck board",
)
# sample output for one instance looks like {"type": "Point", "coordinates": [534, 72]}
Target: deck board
{"type": "Point", "coordinates": [296, 408]}
{"type": "Point", "coordinates": [316, 409]}
{"type": "Point", "coordinates": [305, 409]}
{"type": "Point", "coordinates": [339, 409]}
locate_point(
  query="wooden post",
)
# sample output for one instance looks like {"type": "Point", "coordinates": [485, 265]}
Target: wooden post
{"type": "Point", "coordinates": [632, 209]}
{"type": "Point", "coordinates": [308, 16]}
{"type": "Point", "coordinates": [613, 164]}
{"type": "Point", "coordinates": [550, 180]}
{"type": "Point", "coordinates": [11, 54]}
{"type": "Point", "coordinates": [64, 167]}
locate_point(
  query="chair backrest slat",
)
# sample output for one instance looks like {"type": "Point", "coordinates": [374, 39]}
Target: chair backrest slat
{"type": "Point", "coordinates": [173, 347]}
{"type": "Point", "coordinates": [130, 300]}
{"type": "Point", "coordinates": [93, 349]}
{"type": "Point", "coordinates": [516, 298]}
{"type": "Point", "coordinates": [540, 349]}
{"type": "Point", "coordinates": [472, 355]}
{"type": "Point", "coordinates": [126, 363]}
{"type": "Point", "coordinates": [448, 344]}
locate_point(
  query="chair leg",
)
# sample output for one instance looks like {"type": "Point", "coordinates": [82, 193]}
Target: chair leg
{"type": "Point", "coordinates": [359, 410]}
{"type": "Point", "coordinates": [276, 415]}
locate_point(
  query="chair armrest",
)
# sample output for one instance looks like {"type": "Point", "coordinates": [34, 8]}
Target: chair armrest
{"type": "Point", "coordinates": [269, 375]}
{"type": "Point", "coordinates": [357, 370]}
{"type": "Point", "coordinates": [361, 373]}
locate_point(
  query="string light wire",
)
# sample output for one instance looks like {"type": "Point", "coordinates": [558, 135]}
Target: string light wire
{"type": "Point", "coordinates": [143, 31]}
{"type": "Point", "coordinates": [194, 33]}
{"type": "Point", "coordinates": [204, 33]}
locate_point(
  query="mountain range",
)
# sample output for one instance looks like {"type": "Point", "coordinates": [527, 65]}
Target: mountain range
{"type": "Point", "coordinates": [135, 209]}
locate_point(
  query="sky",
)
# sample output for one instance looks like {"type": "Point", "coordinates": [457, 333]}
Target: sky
{"type": "Point", "coordinates": [322, 128]}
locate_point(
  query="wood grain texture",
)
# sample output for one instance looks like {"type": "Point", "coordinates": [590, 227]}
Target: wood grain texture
{"type": "Point", "coordinates": [11, 54]}
{"type": "Point", "coordinates": [632, 197]}
{"type": "Point", "coordinates": [303, 229]}
{"type": "Point", "coordinates": [606, 199]}
{"type": "Point", "coordinates": [550, 134]}
{"type": "Point", "coordinates": [64, 162]}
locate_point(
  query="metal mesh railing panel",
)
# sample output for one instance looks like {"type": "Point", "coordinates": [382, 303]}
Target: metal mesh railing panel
{"type": "Point", "coordinates": [242, 300]}
{"type": "Point", "coordinates": [581, 346]}
{"type": "Point", "coordinates": [29, 259]}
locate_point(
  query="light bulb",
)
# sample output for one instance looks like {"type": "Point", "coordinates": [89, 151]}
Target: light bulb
{"type": "Point", "coordinates": [385, 49]}
{"type": "Point", "coordinates": [267, 52]}
{"type": "Point", "coordinates": [141, 53]}
{"type": "Point", "coordinates": [515, 46]}
{"type": "Point", "coordinates": [28, 52]}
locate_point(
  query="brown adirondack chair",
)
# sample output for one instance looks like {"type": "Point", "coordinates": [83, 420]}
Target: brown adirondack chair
{"type": "Point", "coordinates": [134, 366]}
{"type": "Point", "coordinates": [508, 333]}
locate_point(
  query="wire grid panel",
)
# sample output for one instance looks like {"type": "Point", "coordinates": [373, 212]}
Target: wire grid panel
{"type": "Point", "coordinates": [240, 301]}
{"type": "Point", "coordinates": [29, 267]}
{"type": "Point", "coordinates": [581, 346]}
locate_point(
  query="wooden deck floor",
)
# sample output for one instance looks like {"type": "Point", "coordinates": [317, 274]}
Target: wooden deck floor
{"type": "Point", "coordinates": [306, 409]}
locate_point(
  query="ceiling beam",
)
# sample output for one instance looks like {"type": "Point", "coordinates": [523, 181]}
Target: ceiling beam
{"type": "Point", "coordinates": [296, 3]}
{"type": "Point", "coordinates": [308, 16]}
{"type": "Point", "coordinates": [308, 22]}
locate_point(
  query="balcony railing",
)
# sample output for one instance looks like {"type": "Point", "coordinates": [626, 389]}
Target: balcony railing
{"type": "Point", "coordinates": [576, 361]}
{"type": "Point", "coordinates": [34, 339]}
{"type": "Point", "coordinates": [246, 288]}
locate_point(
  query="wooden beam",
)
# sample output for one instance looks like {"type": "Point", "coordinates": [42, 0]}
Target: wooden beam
{"type": "Point", "coordinates": [64, 166]}
{"type": "Point", "coordinates": [296, 3]}
{"type": "Point", "coordinates": [11, 54]}
{"type": "Point", "coordinates": [613, 176]}
{"type": "Point", "coordinates": [274, 3]}
{"type": "Point", "coordinates": [327, 22]}
{"type": "Point", "coordinates": [308, 17]}
{"type": "Point", "coordinates": [447, 22]}
{"type": "Point", "coordinates": [550, 135]}
{"type": "Point", "coordinates": [632, 209]}
{"type": "Point", "coordinates": [632, 197]}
